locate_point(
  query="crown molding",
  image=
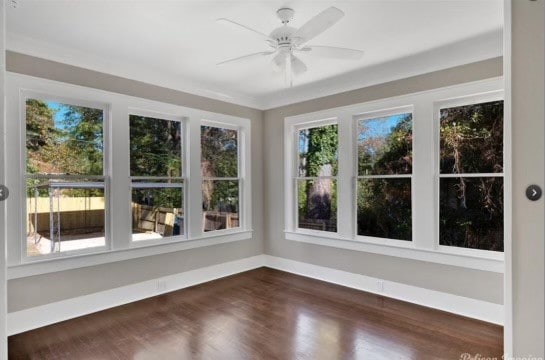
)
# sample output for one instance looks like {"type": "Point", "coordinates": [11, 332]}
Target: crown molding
{"type": "Point", "coordinates": [485, 46]}
{"type": "Point", "coordinates": [79, 58]}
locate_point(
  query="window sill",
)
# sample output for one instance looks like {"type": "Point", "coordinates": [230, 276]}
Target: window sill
{"type": "Point", "coordinates": [487, 262]}
{"type": "Point", "coordinates": [75, 261]}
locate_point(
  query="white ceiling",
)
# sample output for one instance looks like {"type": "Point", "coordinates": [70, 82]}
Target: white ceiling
{"type": "Point", "coordinates": [178, 43]}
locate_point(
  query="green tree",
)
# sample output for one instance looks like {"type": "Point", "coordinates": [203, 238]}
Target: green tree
{"type": "Point", "coordinates": [155, 147]}
{"type": "Point", "coordinates": [40, 126]}
{"type": "Point", "coordinates": [384, 205]}
{"type": "Point", "coordinates": [472, 208]}
{"type": "Point", "coordinates": [219, 158]}
{"type": "Point", "coordinates": [318, 157]}
{"type": "Point", "coordinates": [83, 139]}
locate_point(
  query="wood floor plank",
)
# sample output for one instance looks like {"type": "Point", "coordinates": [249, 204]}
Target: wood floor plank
{"type": "Point", "coordinates": [263, 314]}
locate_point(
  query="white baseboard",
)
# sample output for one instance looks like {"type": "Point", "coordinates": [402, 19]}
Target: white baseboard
{"type": "Point", "coordinates": [477, 309]}
{"type": "Point", "coordinates": [32, 318]}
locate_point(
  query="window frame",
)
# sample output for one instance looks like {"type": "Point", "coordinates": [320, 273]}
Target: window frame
{"type": "Point", "coordinates": [471, 99]}
{"type": "Point", "coordinates": [407, 109]}
{"type": "Point", "coordinates": [120, 246]}
{"type": "Point", "coordinates": [302, 126]}
{"type": "Point", "coordinates": [424, 204]}
{"type": "Point", "coordinates": [183, 176]}
{"type": "Point", "coordinates": [104, 178]}
{"type": "Point", "coordinates": [242, 213]}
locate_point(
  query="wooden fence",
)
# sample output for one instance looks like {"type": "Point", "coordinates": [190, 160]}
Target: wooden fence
{"type": "Point", "coordinates": [86, 214]}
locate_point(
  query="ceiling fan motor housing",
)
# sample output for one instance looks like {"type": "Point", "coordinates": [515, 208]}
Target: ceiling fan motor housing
{"type": "Point", "coordinates": [283, 35]}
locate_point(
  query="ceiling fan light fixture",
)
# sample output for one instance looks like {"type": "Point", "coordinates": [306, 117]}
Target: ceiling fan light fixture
{"type": "Point", "coordinates": [285, 40]}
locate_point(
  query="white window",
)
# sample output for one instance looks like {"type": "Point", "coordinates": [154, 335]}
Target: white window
{"type": "Point", "coordinates": [66, 193]}
{"type": "Point", "coordinates": [157, 172]}
{"type": "Point", "coordinates": [470, 156]}
{"type": "Point", "coordinates": [221, 181]}
{"type": "Point", "coordinates": [417, 176]}
{"type": "Point", "coordinates": [113, 177]}
{"type": "Point", "coordinates": [384, 168]}
{"type": "Point", "coordinates": [316, 176]}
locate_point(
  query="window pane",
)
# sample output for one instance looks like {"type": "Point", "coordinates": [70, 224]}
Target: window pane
{"type": "Point", "coordinates": [63, 216]}
{"type": "Point", "coordinates": [385, 145]}
{"type": "Point", "coordinates": [318, 155]}
{"type": "Point", "coordinates": [472, 139]}
{"type": "Point", "coordinates": [157, 212]}
{"type": "Point", "coordinates": [155, 147]}
{"type": "Point", "coordinates": [384, 208]}
{"type": "Point", "coordinates": [63, 139]}
{"type": "Point", "coordinates": [220, 204]}
{"type": "Point", "coordinates": [219, 152]}
{"type": "Point", "coordinates": [471, 213]}
{"type": "Point", "coordinates": [317, 204]}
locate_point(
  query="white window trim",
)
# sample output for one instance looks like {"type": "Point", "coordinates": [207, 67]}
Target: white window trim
{"type": "Point", "coordinates": [424, 244]}
{"type": "Point", "coordinates": [120, 246]}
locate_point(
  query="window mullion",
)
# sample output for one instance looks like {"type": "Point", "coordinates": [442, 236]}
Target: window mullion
{"type": "Point", "coordinates": [194, 186]}
{"type": "Point", "coordinates": [423, 183]}
{"type": "Point", "coordinates": [345, 195]}
{"type": "Point", "coordinates": [120, 196]}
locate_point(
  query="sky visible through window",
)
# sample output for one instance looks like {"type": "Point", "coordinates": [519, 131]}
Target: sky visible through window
{"type": "Point", "coordinates": [60, 110]}
{"type": "Point", "coordinates": [380, 127]}
{"type": "Point", "coordinates": [375, 128]}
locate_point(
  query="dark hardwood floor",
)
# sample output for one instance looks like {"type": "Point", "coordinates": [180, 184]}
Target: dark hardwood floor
{"type": "Point", "coordinates": [263, 314]}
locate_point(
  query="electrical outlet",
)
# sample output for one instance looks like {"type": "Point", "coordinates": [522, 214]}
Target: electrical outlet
{"type": "Point", "coordinates": [161, 285]}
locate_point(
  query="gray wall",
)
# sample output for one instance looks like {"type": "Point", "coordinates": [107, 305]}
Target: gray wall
{"type": "Point", "coordinates": [267, 189]}
{"type": "Point", "coordinates": [22, 293]}
{"type": "Point", "coordinates": [475, 284]}
{"type": "Point", "coordinates": [528, 114]}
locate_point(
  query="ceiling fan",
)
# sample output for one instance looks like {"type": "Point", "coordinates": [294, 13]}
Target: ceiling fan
{"type": "Point", "coordinates": [286, 41]}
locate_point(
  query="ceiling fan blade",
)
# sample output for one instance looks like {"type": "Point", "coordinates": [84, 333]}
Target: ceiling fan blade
{"type": "Point", "coordinates": [240, 26]}
{"type": "Point", "coordinates": [297, 66]}
{"type": "Point", "coordinates": [334, 52]}
{"type": "Point", "coordinates": [247, 57]}
{"type": "Point", "coordinates": [318, 25]}
{"type": "Point", "coordinates": [279, 61]}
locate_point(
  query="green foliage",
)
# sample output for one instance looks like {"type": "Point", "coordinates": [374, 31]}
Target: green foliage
{"type": "Point", "coordinates": [390, 155]}
{"type": "Point", "coordinates": [472, 215]}
{"type": "Point", "coordinates": [40, 127]}
{"type": "Point", "coordinates": [219, 158]}
{"type": "Point", "coordinates": [384, 205]}
{"type": "Point", "coordinates": [219, 152]}
{"type": "Point", "coordinates": [471, 209]}
{"type": "Point", "coordinates": [73, 146]}
{"type": "Point", "coordinates": [83, 141]}
{"type": "Point", "coordinates": [171, 198]}
{"type": "Point", "coordinates": [224, 197]}
{"type": "Point", "coordinates": [323, 142]}
{"type": "Point", "coordinates": [384, 208]}
{"type": "Point", "coordinates": [472, 138]}
{"type": "Point", "coordinates": [317, 199]}
{"type": "Point", "coordinates": [155, 147]}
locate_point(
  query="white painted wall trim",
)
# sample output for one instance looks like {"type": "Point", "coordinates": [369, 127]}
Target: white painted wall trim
{"type": "Point", "coordinates": [473, 308]}
{"type": "Point", "coordinates": [43, 315]}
